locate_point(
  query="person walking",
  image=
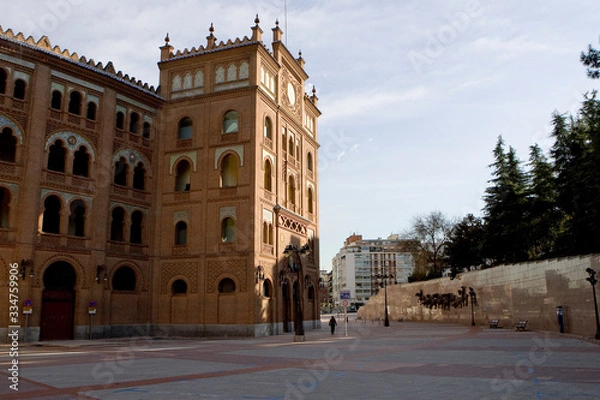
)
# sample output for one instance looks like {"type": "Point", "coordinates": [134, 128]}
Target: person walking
{"type": "Point", "coordinates": [332, 324]}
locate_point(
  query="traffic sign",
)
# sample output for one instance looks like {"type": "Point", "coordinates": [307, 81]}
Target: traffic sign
{"type": "Point", "coordinates": [345, 303]}
{"type": "Point", "coordinates": [345, 295]}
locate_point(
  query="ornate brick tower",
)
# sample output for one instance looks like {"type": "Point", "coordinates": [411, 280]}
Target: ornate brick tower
{"type": "Point", "coordinates": [238, 183]}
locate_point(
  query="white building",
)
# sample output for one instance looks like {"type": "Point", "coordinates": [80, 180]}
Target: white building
{"type": "Point", "coordinates": [362, 266]}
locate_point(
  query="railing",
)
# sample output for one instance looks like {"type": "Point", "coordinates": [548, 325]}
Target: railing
{"type": "Point", "coordinates": [74, 119]}
{"type": "Point", "coordinates": [268, 142]}
{"type": "Point", "coordinates": [10, 169]}
{"type": "Point", "coordinates": [139, 249]}
{"type": "Point", "coordinates": [268, 249]}
{"type": "Point", "coordinates": [7, 235]}
{"type": "Point", "coordinates": [11, 102]}
{"type": "Point", "coordinates": [228, 191]}
{"type": "Point", "coordinates": [79, 242]}
{"type": "Point", "coordinates": [184, 143]}
{"type": "Point", "coordinates": [180, 250]}
{"type": "Point", "coordinates": [226, 247]}
{"type": "Point", "coordinates": [182, 196]}
{"type": "Point", "coordinates": [130, 193]}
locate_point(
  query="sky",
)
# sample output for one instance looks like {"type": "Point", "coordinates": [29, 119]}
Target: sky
{"type": "Point", "coordinates": [414, 93]}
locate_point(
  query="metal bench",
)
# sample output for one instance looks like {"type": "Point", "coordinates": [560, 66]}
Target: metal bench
{"type": "Point", "coordinates": [494, 324]}
{"type": "Point", "coordinates": [521, 325]}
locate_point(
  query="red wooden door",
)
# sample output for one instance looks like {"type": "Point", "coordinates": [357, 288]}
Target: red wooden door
{"type": "Point", "coordinates": [57, 315]}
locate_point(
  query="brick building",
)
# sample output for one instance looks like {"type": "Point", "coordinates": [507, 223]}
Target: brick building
{"type": "Point", "coordinates": [164, 211]}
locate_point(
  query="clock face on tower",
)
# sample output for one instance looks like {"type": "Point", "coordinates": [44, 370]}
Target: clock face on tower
{"type": "Point", "coordinates": [291, 94]}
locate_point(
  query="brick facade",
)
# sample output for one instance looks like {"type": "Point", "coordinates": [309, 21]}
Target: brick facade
{"type": "Point", "coordinates": [169, 208]}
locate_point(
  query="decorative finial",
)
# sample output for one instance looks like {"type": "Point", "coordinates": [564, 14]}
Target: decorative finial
{"type": "Point", "coordinates": [277, 22]}
{"type": "Point", "coordinates": [300, 54]}
{"type": "Point", "coordinates": [314, 90]}
{"type": "Point", "coordinates": [211, 39]}
{"type": "Point", "coordinates": [256, 20]}
{"type": "Point", "coordinates": [167, 39]}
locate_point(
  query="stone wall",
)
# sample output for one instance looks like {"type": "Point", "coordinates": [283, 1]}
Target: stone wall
{"type": "Point", "coordinates": [530, 291]}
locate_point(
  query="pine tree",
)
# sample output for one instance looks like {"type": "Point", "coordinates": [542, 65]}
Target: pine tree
{"type": "Point", "coordinates": [592, 61]}
{"type": "Point", "coordinates": [506, 209]}
{"type": "Point", "coordinates": [576, 154]}
{"type": "Point", "coordinates": [464, 247]}
{"type": "Point", "coordinates": [545, 218]}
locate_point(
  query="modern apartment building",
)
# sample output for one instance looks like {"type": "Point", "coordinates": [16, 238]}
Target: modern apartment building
{"type": "Point", "coordinates": [363, 266]}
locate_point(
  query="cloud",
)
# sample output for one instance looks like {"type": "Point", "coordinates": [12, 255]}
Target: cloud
{"type": "Point", "coordinates": [373, 102]}
{"type": "Point", "coordinates": [519, 46]}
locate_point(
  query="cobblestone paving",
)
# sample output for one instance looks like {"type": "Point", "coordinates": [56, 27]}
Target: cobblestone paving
{"type": "Point", "coordinates": [404, 361]}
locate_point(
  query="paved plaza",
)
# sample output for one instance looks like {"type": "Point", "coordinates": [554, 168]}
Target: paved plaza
{"type": "Point", "coordinates": [404, 361]}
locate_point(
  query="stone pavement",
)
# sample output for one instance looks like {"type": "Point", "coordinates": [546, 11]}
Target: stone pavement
{"type": "Point", "coordinates": [404, 361]}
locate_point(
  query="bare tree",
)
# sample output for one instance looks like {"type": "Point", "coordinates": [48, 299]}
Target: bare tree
{"type": "Point", "coordinates": [430, 233]}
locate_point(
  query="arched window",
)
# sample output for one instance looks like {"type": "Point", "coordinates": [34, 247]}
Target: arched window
{"type": "Point", "coordinates": [309, 161]}
{"type": "Point", "coordinates": [298, 150]}
{"type": "Point", "coordinates": [271, 234]}
{"type": "Point", "coordinates": [310, 201]}
{"type": "Point", "coordinates": [146, 130]}
{"type": "Point", "coordinates": [291, 146]}
{"type": "Point", "coordinates": [56, 157]}
{"type": "Point", "coordinates": [3, 79]}
{"type": "Point", "coordinates": [268, 178]}
{"type": "Point", "coordinates": [268, 128]}
{"type": "Point", "coordinates": [135, 233]}
{"type": "Point", "coordinates": [81, 162]}
{"type": "Point", "coordinates": [19, 89]}
{"type": "Point", "coordinates": [229, 171]}
{"type": "Point", "coordinates": [267, 289]}
{"type": "Point", "coordinates": [134, 121]}
{"type": "Point", "coordinates": [183, 176]}
{"type": "Point", "coordinates": [139, 177]}
{"type": "Point", "coordinates": [117, 224]}
{"type": "Point", "coordinates": [228, 230]}
{"type": "Point", "coordinates": [51, 216]}
{"type": "Point", "coordinates": [120, 124]}
{"type": "Point", "coordinates": [226, 285]}
{"type": "Point", "coordinates": [77, 219]}
{"type": "Point", "coordinates": [8, 145]}
{"type": "Point", "coordinates": [124, 279]}
{"type": "Point", "coordinates": [56, 102]}
{"type": "Point", "coordinates": [120, 177]}
{"type": "Point", "coordinates": [75, 103]}
{"type": "Point", "coordinates": [265, 234]}
{"type": "Point", "coordinates": [91, 111]}
{"type": "Point", "coordinates": [291, 190]}
{"type": "Point", "coordinates": [180, 233]}
{"type": "Point", "coordinates": [283, 140]}
{"type": "Point", "coordinates": [179, 287]}
{"type": "Point", "coordinates": [311, 293]}
{"type": "Point", "coordinates": [4, 207]}
{"type": "Point", "coordinates": [230, 122]}
{"type": "Point", "coordinates": [185, 129]}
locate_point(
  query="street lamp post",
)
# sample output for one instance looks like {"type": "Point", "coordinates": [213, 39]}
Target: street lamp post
{"type": "Point", "coordinates": [473, 301]}
{"type": "Point", "coordinates": [295, 266]}
{"type": "Point", "coordinates": [386, 320]}
{"type": "Point", "coordinates": [592, 280]}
